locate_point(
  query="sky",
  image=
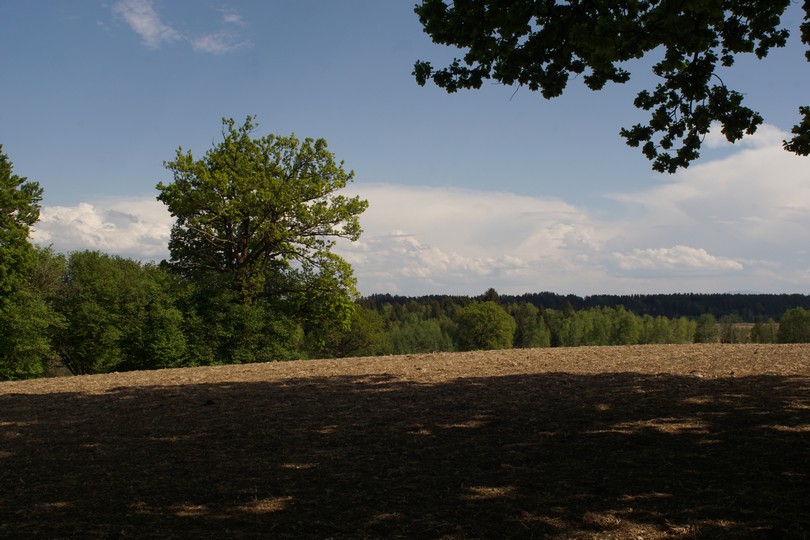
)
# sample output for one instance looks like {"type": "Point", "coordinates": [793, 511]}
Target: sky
{"type": "Point", "coordinates": [495, 188]}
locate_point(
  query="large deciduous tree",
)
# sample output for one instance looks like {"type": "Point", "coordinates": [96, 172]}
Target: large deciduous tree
{"type": "Point", "coordinates": [25, 318]}
{"type": "Point", "coordinates": [19, 209]}
{"type": "Point", "coordinates": [484, 326]}
{"type": "Point", "coordinates": [794, 326]}
{"type": "Point", "coordinates": [254, 207]}
{"type": "Point", "coordinates": [542, 45]}
{"type": "Point", "coordinates": [256, 221]}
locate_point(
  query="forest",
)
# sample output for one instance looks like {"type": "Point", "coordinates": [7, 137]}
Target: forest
{"type": "Point", "coordinates": [749, 307]}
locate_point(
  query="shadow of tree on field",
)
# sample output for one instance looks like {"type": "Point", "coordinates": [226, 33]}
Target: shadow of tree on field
{"type": "Point", "coordinates": [618, 455]}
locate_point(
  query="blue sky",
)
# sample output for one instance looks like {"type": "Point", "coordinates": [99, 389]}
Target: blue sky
{"type": "Point", "coordinates": [491, 188]}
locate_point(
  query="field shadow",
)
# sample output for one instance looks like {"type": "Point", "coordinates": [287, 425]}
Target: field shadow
{"type": "Point", "coordinates": [551, 455]}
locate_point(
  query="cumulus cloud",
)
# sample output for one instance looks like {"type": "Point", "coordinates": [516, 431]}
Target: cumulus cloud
{"type": "Point", "coordinates": [756, 200]}
{"type": "Point", "coordinates": [143, 19]}
{"type": "Point", "coordinates": [401, 263]}
{"type": "Point", "coordinates": [750, 207]}
{"type": "Point", "coordinates": [136, 228]}
{"type": "Point", "coordinates": [765, 136]}
{"type": "Point", "coordinates": [675, 258]}
{"type": "Point", "coordinates": [449, 240]}
{"type": "Point", "coordinates": [422, 240]}
{"type": "Point", "coordinates": [735, 223]}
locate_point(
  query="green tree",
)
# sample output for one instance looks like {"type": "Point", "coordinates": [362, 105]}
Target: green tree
{"type": "Point", "coordinates": [491, 295]}
{"type": "Point", "coordinates": [415, 335]}
{"type": "Point", "coordinates": [654, 330]}
{"type": "Point", "coordinates": [484, 326]}
{"type": "Point", "coordinates": [118, 315]}
{"type": "Point", "coordinates": [25, 317]}
{"type": "Point", "coordinates": [542, 45]}
{"type": "Point", "coordinates": [572, 331]}
{"type": "Point", "coordinates": [221, 329]}
{"type": "Point", "coordinates": [683, 330]}
{"type": "Point", "coordinates": [732, 330]}
{"type": "Point", "coordinates": [365, 337]}
{"type": "Point", "coordinates": [794, 326]}
{"type": "Point", "coordinates": [597, 325]}
{"type": "Point", "coordinates": [24, 324]}
{"type": "Point", "coordinates": [554, 321]}
{"type": "Point", "coordinates": [19, 210]}
{"type": "Point", "coordinates": [626, 327]}
{"type": "Point", "coordinates": [256, 220]}
{"type": "Point", "coordinates": [531, 330]}
{"type": "Point", "coordinates": [764, 331]}
{"type": "Point", "coordinates": [320, 299]}
{"type": "Point", "coordinates": [252, 208]}
{"type": "Point", "coordinates": [156, 338]}
{"type": "Point", "coordinates": [706, 330]}
{"type": "Point", "coordinates": [594, 326]}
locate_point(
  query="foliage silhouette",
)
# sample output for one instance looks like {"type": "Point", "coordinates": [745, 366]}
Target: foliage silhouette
{"type": "Point", "coordinates": [543, 45]}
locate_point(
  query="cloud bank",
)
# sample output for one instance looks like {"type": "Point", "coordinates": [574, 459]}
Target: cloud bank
{"type": "Point", "coordinates": [678, 258]}
{"type": "Point", "coordinates": [135, 228]}
{"type": "Point", "coordinates": [733, 224]}
{"type": "Point", "coordinates": [142, 17]}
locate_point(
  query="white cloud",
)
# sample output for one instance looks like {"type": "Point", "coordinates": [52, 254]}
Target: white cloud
{"type": "Point", "coordinates": [143, 18]}
{"type": "Point", "coordinates": [219, 43]}
{"type": "Point", "coordinates": [765, 136]}
{"type": "Point", "coordinates": [736, 223]}
{"type": "Point", "coordinates": [751, 207]}
{"type": "Point", "coordinates": [447, 240]}
{"type": "Point", "coordinates": [674, 258]}
{"type": "Point", "coordinates": [755, 200]}
{"type": "Point", "coordinates": [233, 18]}
{"type": "Point", "coordinates": [137, 228]}
{"type": "Point", "coordinates": [420, 240]}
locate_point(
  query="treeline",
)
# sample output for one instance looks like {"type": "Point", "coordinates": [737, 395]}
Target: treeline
{"type": "Point", "coordinates": [749, 308]}
{"type": "Point", "coordinates": [91, 312]}
{"type": "Point", "coordinates": [458, 323]}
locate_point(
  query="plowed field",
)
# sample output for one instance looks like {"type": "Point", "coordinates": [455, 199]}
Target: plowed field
{"type": "Point", "coordinates": [697, 441]}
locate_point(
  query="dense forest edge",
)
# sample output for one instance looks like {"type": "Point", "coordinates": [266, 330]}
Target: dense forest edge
{"type": "Point", "coordinates": [749, 307]}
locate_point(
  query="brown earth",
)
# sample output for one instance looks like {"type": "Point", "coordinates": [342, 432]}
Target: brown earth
{"type": "Point", "coordinates": [703, 441]}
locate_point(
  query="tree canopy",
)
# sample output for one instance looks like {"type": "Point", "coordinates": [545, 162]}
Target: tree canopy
{"type": "Point", "coordinates": [118, 315]}
{"type": "Point", "coordinates": [484, 325]}
{"type": "Point", "coordinates": [542, 45]}
{"type": "Point", "coordinates": [24, 315]}
{"type": "Point", "coordinates": [19, 210]}
{"type": "Point", "coordinates": [794, 326]}
{"type": "Point", "coordinates": [256, 220]}
{"type": "Point", "coordinates": [253, 207]}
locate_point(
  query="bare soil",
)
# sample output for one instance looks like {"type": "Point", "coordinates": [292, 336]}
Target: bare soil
{"type": "Point", "coordinates": [698, 441]}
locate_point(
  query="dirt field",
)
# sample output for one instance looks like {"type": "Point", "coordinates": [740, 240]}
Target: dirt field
{"type": "Point", "coordinates": [704, 441]}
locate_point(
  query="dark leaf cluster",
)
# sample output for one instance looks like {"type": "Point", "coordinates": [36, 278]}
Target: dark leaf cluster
{"type": "Point", "coordinates": [543, 45]}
